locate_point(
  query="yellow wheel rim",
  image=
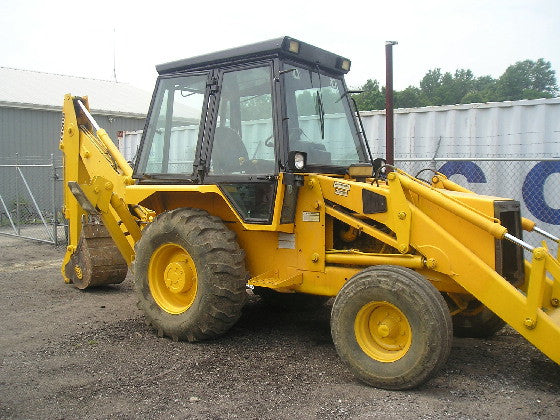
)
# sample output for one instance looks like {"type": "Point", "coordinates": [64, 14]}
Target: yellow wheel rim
{"type": "Point", "coordinates": [382, 331]}
{"type": "Point", "coordinates": [172, 278]}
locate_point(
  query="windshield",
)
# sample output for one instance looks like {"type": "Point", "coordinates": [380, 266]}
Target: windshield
{"type": "Point", "coordinates": [320, 120]}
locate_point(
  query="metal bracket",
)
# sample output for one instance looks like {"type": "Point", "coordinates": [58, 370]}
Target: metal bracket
{"type": "Point", "coordinates": [81, 197]}
{"type": "Point", "coordinates": [401, 212]}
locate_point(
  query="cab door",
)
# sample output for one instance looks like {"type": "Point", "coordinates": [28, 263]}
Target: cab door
{"type": "Point", "coordinates": [241, 156]}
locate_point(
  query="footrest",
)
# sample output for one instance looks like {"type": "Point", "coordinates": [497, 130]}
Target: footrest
{"type": "Point", "coordinates": [271, 280]}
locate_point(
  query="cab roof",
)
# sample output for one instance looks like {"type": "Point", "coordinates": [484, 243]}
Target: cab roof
{"type": "Point", "coordinates": [284, 47]}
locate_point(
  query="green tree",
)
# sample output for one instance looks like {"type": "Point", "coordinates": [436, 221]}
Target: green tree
{"type": "Point", "coordinates": [483, 90]}
{"type": "Point", "coordinates": [371, 98]}
{"type": "Point", "coordinates": [523, 80]}
{"type": "Point", "coordinates": [462, 84]}
{"type": "Point", "coordinates": [410, 97]}
{"type": "Point", "coordinates": [445, 89]}
{"type": "Point", "coordinates": [430, 87]}
{"type": "Point", "coordinates": [527, 80]}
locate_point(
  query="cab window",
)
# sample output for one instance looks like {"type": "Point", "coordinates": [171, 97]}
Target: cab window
{"type": "Point", "coordinates": [243, 144]}
{"type": "Point", "coordinates": [243, 138]}
{"type": "Point", "coordinates": [320, 121]}
{"type": "Point", "coordinates": [174, 126]}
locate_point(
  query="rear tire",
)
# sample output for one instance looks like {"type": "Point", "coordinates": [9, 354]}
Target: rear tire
{"type": "Point", "coordinates": [189, 275]}
{"type": "Point", "coordinates": [479, 322]}
{"type": "Point", "coordinates": [391, 327]}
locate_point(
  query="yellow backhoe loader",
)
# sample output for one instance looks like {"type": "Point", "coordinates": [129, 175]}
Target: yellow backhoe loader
{"type": "Point", "coordinates": [253, 171]}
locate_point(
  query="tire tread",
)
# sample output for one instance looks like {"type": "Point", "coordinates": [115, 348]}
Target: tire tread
{"type": "Point", "coordinates": [220, 257]}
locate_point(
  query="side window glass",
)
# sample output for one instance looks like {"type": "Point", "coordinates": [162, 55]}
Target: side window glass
{"type": "Point", "coordinates": [254, 201]}
{"type": "Point", "coordinates": [174, 125]}
{"type": "Point", "coordinates": [243, 139]}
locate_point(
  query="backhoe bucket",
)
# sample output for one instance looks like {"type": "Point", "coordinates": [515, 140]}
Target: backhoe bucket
{"type": "Point", "coordinates": [96, 261]}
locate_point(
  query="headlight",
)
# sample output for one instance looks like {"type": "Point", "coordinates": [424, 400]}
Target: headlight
{"type": "Point", "coordinates": [297, 160]}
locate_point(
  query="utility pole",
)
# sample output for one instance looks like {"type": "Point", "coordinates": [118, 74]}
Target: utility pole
{"type": "Point", "coordinates": [389, 106]}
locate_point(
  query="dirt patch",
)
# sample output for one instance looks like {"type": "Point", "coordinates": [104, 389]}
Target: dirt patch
{"type": "Point", "coordinates": [65, 353]}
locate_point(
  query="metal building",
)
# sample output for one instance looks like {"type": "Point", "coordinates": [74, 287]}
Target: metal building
{"type": "Point", "coordinates": [30, 123]}
{"type": "Point", "coordinates": [31, 104]}
{"type": "Point", "coordinates": [524, 129]}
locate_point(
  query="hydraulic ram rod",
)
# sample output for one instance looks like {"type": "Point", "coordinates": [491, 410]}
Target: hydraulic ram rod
{"type": "Point", "coordinates": [104, 137]}
{"type": "Point", "coordinates": [546, 234]}
{"type": "Point", "coordinates": [519, 242]}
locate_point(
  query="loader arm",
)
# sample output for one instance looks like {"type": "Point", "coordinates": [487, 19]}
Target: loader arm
{"type": "Point", "coordinates": [95, 177]}
{"type": "Point", "coordinates": [416, 214]}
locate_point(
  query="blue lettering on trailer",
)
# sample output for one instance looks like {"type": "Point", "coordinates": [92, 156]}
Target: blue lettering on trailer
{"type": "Point", "coordinates": [533, 192]}
{"type": "Point", "coordinates": [468, 169]}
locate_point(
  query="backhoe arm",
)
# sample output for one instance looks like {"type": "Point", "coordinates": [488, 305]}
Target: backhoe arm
{"type": "Point", "coordinates": [95, 178]}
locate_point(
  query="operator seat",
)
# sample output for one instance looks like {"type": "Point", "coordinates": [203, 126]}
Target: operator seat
{"type": "Point", "coordinates": [229, 154]}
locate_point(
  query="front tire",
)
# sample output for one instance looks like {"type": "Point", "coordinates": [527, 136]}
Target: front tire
{"type": "Point", "coordinates": [391, 327]}
{"type": "Point", "coordinates": [189, 275]}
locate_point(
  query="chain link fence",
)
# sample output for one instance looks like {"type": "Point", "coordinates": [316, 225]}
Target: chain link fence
{"type": "Point", "coordinates": [31, 199]}
{"type": "Point", "coordinates": [31, 190]}
{"type": "Point", "coordinates": [534, 182]}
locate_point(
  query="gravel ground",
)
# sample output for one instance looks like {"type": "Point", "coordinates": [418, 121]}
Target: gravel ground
{"type": "Point", "coordinates": [70, 354]}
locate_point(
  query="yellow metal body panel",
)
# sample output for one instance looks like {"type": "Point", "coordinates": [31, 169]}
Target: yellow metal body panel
{"type": "Point", "coordinates": [473, 237]}
{"type": "Point", "coordinates": [162, 198]}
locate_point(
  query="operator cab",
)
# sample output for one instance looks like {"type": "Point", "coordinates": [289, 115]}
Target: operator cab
{"type": "Point", "coordinates": [238, 118]}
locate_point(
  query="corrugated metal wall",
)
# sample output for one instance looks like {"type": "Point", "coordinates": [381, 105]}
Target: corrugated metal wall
{"type": "Point", "coordinates": [36, 133]}
{"type": "Point", "coordinates": [529, 128]}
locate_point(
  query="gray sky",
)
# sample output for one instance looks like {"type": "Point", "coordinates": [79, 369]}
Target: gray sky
{"type": "Point", "coordinates": [76, 37]}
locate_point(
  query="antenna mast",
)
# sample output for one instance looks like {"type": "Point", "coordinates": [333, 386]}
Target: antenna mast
{"type": "Point", "coordinates": [114, 55]}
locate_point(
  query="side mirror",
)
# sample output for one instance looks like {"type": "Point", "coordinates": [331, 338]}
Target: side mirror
{"type": "Point", "coordinates": [378, 164]}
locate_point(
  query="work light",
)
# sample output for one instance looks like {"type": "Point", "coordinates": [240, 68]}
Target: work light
{"type": "Point", "coordinates": [293, 46]}
{"type": "Point", "coordinates": [297, 160]}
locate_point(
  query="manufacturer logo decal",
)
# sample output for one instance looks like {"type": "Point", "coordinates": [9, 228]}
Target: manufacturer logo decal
{"type": "Point", "coordinates": [340, 188]}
